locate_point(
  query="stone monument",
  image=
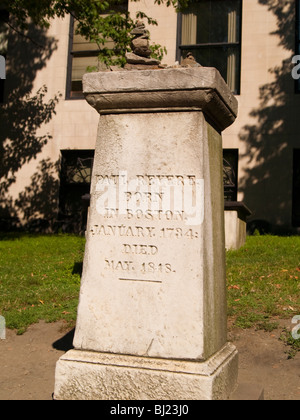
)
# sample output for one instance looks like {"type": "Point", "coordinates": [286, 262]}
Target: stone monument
{"type": "Point", "coordinates": [152, 318]}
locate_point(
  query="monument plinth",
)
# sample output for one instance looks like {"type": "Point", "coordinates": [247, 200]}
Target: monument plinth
{"type": "Point", "coordinates": [152, 318]}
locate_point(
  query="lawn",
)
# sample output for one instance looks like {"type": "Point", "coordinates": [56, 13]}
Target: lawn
{"type": "Point", "coordinates": [263, 280]}
{"type": "Point", "coordinates": [40, 279]}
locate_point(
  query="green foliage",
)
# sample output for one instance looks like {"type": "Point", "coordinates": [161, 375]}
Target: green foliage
{"type": "Point", "coordinates": [157, 51]}
{"type": "Point", "coordinates": [292, 344]}
{"type": "Point", "coordinates": [99, 21]}
{"type": "Point", "coordinates": [179, 5]}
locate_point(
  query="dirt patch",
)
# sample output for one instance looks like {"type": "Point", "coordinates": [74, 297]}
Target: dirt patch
{"type": "Point", "coordinates": [263, 360]}
{"type": "Point", "coordinates": [28, 362]}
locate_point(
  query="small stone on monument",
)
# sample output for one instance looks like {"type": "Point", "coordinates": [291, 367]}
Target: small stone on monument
{"type": "Point", "coordinates": [133, 58]}
{"type": "Point", "coordinates": [139, 58]}
{"type": "Point", "coordinates": [190, 61]}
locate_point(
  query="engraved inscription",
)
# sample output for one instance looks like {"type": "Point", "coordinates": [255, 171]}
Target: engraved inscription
{"type": "Point", "coordinates": [144, 268]}
{"type": "Point", "coordinates": [151, 196]}
{"type": "Point", "coordinates": [137, 249]}
{"type": "Point", "coordinates": [123, 230]}
{"type": "Point", "coordinates": [119, 265]}
{"type": "Point", "coordinates": [143, 232]}
{"type": "Point", "coordinates": [146, 202]}
{"type": "Point", "coordinates": [157, 268]}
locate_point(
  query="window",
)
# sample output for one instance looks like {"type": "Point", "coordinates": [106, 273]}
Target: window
{"type": "Point", "coordinates": [296, 189]}
{"type": "Point", "coordinates": [230, 174]}
{"type": "Point", "coordinates": [82, 55]}
{"type": "Point", "coordinates": [211, 30]}
{"type": "Point", "coordinates": [3, 48]}
{"type": "Point", "coordinates": [75, 181]}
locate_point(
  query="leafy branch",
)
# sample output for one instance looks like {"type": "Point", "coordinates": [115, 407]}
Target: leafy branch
{"type": "Point", "coordinates": [99, 21]}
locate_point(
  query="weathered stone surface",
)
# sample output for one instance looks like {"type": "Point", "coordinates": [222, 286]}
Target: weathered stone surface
{"type": "Point", "coordinates": [132, 58]}
{"type": "Point", "coordinates": [141, 67]}
{"type": "Point", "coordinates": [200, 88]}
{"type": "Point", "coordinates": [168, 277]}
{"type": "Point", "coordinates": [98, 376]}
{"type": "Point", "coordinates": [152, 311]}
{"type": "Point", "coordinates": [140, 30]}
{"type": "Point", "coordinates": [140, 46]}
{"type": "Point", "coordinates": [189, 61]}
{"type": "Point", "coordinates": [236, 214]}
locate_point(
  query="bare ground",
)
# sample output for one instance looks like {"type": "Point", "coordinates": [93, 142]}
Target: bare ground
{"type": "Point", "coordinates": [28, 362]}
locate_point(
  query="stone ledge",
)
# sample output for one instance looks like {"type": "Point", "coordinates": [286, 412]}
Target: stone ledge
{"type": "Point", "coordinates": [190, 367]}
{"type": "Point", "coordinates": [83, 375]}
{"type": "Point", "coordinates": [238, 206]}
{"type": "Point", "coordinates": [200, 88]}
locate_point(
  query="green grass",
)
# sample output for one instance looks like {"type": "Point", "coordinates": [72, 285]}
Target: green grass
{"type": "Point", "coordinates": [263, 280]}
{"type": "Point", "coordinates": [39, 278]}
{"type": "Point", "coordinates": [293, 344]}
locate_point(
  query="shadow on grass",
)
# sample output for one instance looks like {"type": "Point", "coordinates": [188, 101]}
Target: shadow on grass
{"type": "Point", "coordinates": [77, 269]}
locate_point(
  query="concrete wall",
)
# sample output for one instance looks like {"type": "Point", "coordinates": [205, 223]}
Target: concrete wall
{"type": "Point", "coordinates": [265, 132]}
{"type": "Point", "coordinates": [32, 150]}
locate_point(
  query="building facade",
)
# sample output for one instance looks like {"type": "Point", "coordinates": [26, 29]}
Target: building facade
{"type": "Point", "coordinates": [48, 131]}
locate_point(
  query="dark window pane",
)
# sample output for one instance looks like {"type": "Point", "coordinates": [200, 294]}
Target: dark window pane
{"type": "Point", "coordinates": [230, 174]}
{"type": "Point", "coordinates": [75, 180]}
{"type": "Point", "coordinates": [211, 21]}
{"type": "Point", "coordinates": [225, 59]}
{"type": "Point", "coordinates": [76, 88]}
{"type": "Point", "coordinates": [2, 82]}
{"type": "Point", "coordinates": [211, 31]}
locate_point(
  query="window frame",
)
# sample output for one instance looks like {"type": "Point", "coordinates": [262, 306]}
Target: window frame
{"type": "Point", "coordinates": [83, 53]}
{"type": "Point", "coordinates": [192, 47]}
{"type": "Point", "coordinates": [70, 59]}
{"type": "Point", "coordinates": [71, 55]}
